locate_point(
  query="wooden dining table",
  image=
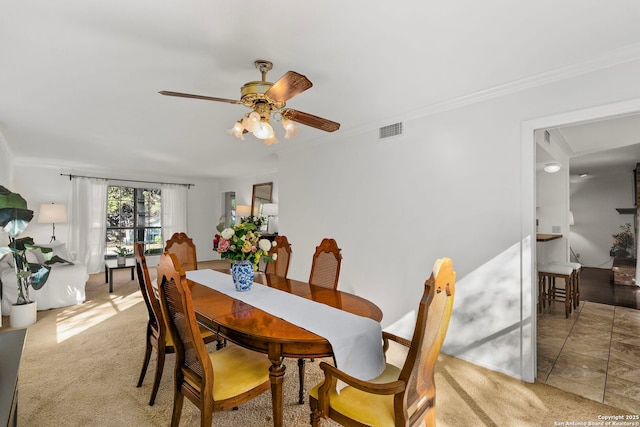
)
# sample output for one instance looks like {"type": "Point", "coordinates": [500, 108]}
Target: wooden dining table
{"type": "Point", "coordinates": [258, 330]}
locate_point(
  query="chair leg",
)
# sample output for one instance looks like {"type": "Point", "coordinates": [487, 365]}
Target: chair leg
{"type": "Point", "coordinates": [145, 363]}
{"type": "Point", "coordinates": [315, 418]}
{"type": "Point", "coordinates": [301, 375]}
{"type": "Point", "coordinates": [177, 409]}
{"type": "Point", "coordinates": [540, 293]}
{"type": "Point", "coordinates": [576, 301]}
{"type": "Point", "coordinates": [221, 342]}
{"type": "Point", "coordinates": [158, 376]}
{"type": "Point", "coordinates": [206, 415]}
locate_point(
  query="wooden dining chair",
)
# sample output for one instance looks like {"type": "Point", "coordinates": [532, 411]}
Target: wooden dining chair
{"type": "Point", "coordinates": [215, 381]}
{"type": "Point", "coordinates": [325, 268]}
{"type": "Point", "coordinates": [157, 335]}
{"type": "Point", "coordinates": [280, 267]}
{"type": "Point", "coordinates": [325, 272]}
{"type": "Point", "coordinates": [400, 396]}
{"type": "Point", "coordinates": [183, 247]}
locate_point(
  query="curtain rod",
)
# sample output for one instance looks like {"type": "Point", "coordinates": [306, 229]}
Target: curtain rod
{"type": "Point", "coordinates": [125, 180]}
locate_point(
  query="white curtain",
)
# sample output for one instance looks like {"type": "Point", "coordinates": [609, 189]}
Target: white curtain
{"type": "Point", "coordinates": [174, 210]}
{"type": "Point", "coordinates": [88, 221]}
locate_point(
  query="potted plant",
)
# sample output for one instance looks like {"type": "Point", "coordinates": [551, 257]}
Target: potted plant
{"type": "Point", "coordinates": [623, 243]}
{"type": "Point", "coordinates": [258, 220]}
{"type": "Point", "coordinates": [121, 253]}
{"type": "Point", "coordinates": [14, 219]}
{"type": "Point", "coordinates": [243, 246]}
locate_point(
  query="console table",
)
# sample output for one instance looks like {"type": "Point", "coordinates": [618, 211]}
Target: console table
{"type": "Point", "coordinates": [11, 347]}
{"type": "Point", "coordinates": [112, 264]}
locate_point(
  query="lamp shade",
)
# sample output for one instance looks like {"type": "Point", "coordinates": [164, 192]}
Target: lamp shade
{"type": "Point", "coordinates": [243, 210]}
{"type": "Point", "coordinates": [270, 209]}
{"type": "Point", "coordinates": [52, 214]}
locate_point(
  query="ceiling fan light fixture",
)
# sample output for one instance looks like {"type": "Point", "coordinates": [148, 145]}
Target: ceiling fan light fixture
{"type": "Point", "coordinates": [237, 130]}
{"type": "Point", "coordinates": [291, 129]}
{"type": "Point", "coordinates": [264, 99]}
{"type": "Point", "coordinates": [552, 167]}
{"type": "Point", "coordinates": [270, 141]}
{"type": "Point", "coordinates": [262, 130]}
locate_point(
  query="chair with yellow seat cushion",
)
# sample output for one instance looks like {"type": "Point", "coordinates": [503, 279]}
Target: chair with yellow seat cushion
{"type": "Point", "coordinates": [157, 332]}
{"type": "Point", "coordinates": [399, 396]}
{"type": "Point", "coordinates": [325, 272]}
{"type": "Point", "coordinates": [215, 381]}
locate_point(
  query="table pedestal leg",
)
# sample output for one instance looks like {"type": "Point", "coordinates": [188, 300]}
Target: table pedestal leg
{"type": "Point", "coordinates": [276, 375]}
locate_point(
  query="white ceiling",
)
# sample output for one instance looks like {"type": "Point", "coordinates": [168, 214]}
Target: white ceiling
{"type": "Point", "coordinates": [603, 147]}
{"type": "Point", "coordinates": [79, 79]}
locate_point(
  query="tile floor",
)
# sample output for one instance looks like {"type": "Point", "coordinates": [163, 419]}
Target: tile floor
{"type": "Point", "coordinates": [594, 353]}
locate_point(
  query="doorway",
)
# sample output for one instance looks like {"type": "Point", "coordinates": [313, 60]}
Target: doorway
{"type": "Point", "coordinates": [585, 381]}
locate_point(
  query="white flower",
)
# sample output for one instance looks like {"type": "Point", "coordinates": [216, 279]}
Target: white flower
{"type": "Point", "coordinates": [274, 257]}
{"type": "Point", "coordinates": [227, 233]}
{"type": "Point", "coordinates": [274, 243]}
{"type": "Point", "coordinates": [264, 244]}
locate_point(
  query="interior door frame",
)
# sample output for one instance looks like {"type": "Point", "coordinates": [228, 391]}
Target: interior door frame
{"type": "Point", "coordinates": [528, 286]}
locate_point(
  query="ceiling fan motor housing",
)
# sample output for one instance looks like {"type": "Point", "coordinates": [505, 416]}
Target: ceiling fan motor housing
{"type": "Point", "coordinates": [253, 92]}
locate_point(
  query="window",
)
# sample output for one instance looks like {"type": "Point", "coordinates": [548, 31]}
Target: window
{"type": "Point", "coordinates": [134, 215]}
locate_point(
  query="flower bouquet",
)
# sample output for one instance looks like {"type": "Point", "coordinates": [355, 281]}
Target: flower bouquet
{"type": "Point", "coordinates": [243, 246]}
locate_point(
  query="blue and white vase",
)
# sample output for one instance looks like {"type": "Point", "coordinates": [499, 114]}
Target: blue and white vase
{"type": "Point", "coordinates": [242, 273]}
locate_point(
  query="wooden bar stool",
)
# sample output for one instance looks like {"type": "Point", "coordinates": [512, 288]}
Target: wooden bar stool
{"type": "Point", "coordinates": [577, 269]}
{"type": "Point", "coordinates": [548, 289]}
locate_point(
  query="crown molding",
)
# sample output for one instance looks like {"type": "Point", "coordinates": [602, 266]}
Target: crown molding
{"type": "Point", "coordinates": [609, 59]}
{"type": "Point", "coordinates": [612, 58]}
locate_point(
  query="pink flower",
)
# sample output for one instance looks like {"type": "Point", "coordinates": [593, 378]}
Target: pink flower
{"type": "Point", "coordinates": [223, 246]}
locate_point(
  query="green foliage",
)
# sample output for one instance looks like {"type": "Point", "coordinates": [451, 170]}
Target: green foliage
{"type": "Point", "coordinates": [14, 219]}
{"type": "Point", "coordinates": [221, 224]}
{"type": "Point", "coordinates": [623, 242]}
{"type": "Point", "coordinates": [258, 221]}
{"type": "Point", "coordinates": [122, 251]}
{"type": "Point", "coordinates": [242, 242]}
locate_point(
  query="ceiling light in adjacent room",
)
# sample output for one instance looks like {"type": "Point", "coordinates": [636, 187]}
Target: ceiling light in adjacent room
{"type": "Point", "coordinates": [552, 167]}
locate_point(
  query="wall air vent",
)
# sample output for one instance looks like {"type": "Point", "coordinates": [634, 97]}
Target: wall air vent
{"type": "Point", "coordinates": [391, 130]}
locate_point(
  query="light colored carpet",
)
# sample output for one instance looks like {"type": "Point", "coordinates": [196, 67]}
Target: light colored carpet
{"type": "Point", "coordinates": [81, 365]}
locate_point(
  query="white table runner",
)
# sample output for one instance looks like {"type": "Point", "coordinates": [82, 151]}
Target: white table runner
{"type": "Point", "coordinates": [356, 340]}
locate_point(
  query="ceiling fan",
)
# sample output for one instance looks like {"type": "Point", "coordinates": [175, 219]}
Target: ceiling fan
{"type": "Point", "coordinates": [264, 99]}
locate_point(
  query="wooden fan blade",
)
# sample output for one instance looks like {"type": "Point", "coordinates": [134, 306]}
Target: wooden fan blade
{"type": "Point", "coordinates": [288, 86]}
{"type": "Point", "coordinates": [310, 120]}
{"type": "Point", "coordinates": [206, 98]}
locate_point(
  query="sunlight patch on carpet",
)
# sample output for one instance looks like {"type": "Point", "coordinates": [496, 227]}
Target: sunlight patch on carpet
{"type": "Point", "coordinates": [93, 315]}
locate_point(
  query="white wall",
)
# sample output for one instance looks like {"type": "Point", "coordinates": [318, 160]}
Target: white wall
{"type": "Point", "coordinates": [6, 177]}
{"type": "Point", "coordinates": [204, 209]}
{"type": "Point", "coordinates": [594, 200]}
{"type": "Point", "coordinates": [552, 201]}
{"type": "Point", "coordinates": [452, 185]}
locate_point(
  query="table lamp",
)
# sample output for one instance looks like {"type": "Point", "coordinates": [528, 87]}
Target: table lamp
{"type": "Point", "coordinates": [52, 213]}
{"type": "Point", "coordinates": [241, 212]}
{"type": "Point", "coordinates": [270, 210]}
